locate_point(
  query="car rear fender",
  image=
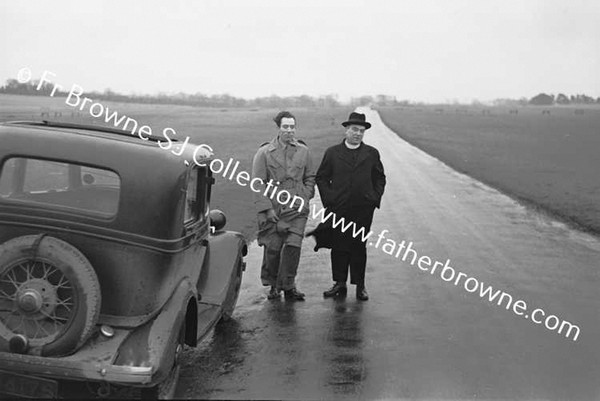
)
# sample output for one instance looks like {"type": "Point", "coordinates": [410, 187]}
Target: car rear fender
{"type": "Point", "coordinates": [224, 249]}
{"type": "Point", "coordinates": [154, 344]}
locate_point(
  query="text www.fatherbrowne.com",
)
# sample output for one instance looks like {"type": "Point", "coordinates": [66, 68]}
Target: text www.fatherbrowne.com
{"type": "Point", "coordinates": [447, 273]}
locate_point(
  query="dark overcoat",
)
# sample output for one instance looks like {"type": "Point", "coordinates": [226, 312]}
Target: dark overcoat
{"type": "Point", "coordinates": [346, 181]}
{"type": "Point", "coordinates": [351, 184]}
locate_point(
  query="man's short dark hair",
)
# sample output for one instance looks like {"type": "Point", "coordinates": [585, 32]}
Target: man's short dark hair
{"type": "Point", "coordinates": [281, 115]}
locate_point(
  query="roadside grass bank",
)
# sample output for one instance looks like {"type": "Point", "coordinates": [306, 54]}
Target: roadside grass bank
{"type": "Point", "coordinates": [548, 162]}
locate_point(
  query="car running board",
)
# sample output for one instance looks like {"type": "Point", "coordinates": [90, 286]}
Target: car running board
{"type": "Point", "coordinates": [208, 316]}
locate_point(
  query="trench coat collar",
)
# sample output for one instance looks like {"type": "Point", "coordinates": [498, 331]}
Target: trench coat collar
{"type": "Point", "coordinates": [275, 144]}
{"type": "Point", "coordinates": [277, 150]}
{"type": "Point", "coordinates": [363, 154]}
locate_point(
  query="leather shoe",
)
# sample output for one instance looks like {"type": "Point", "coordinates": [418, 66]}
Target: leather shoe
{"type": "Point", "coordinates": [293, 295]}
{"type": "Point", "coordinates": [273, 293]}
{"type": "Point", "coordinates": [361, 294]}
{"type": "Point", "coordinates": [338, 289]}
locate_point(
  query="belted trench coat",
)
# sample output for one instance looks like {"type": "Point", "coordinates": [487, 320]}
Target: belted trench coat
{"type": "Point", "coordinates": [291, 169]}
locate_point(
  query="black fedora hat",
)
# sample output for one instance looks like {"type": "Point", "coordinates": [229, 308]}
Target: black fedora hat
{"type": "Point", "coordinates": [357, 119]}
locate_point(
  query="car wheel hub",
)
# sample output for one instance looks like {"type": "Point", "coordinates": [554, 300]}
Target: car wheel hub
{"type": "Point", "coordinates": [30, 301]}
{"type": "Point", "coordinates": [36, 298]}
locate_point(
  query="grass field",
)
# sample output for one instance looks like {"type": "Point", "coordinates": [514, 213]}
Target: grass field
{"type": "Point", "coordinates": [549, 160]}
{"type": "Point", "coordinates": [546, 160]}
{"type": "Point", "coordinates": [235, 133]}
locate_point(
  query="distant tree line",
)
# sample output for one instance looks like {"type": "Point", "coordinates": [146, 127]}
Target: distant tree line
{"type": "Point", "coordinates": [544, 99]}
{"type": "Point", "coordinates": [13, 86]}
{"type": "Point", "coordinates": [379, 100]}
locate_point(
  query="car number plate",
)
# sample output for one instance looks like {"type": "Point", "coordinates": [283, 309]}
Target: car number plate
{"type": "Point", "coordinates": [27, 386]}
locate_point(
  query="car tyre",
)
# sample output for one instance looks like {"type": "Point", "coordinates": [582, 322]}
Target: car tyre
{"type": "Point", "coordinates": [50, 286]}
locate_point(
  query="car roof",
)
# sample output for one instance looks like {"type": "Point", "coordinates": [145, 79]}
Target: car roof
{"type": "Point", "coordinates": [85, 129]}
{"type": "Point", "coordinates": [69, 136]}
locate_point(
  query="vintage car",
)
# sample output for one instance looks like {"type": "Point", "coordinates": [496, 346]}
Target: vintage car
{"type": "Point", "coordinates": [110, 261]}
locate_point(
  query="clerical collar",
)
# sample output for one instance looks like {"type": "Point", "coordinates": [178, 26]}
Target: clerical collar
{"type": "Point", "coordinates": [349, 146]}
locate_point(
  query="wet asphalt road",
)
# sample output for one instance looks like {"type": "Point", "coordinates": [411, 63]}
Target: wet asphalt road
{"type": "Point", "coordinates": [419, 337]}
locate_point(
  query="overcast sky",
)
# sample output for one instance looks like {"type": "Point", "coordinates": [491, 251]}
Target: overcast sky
{"type": "Point", "coordinates": [437, 50]}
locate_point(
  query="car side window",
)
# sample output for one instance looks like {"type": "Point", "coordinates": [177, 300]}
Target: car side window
{"type": "Point", "coordinates": [191, 198]}
{"type": "Point", "coordinates": [44, 175]}
{"type": "Point", "coordinates": [8, 181]}
{"type": "Point", "coordinates": [64, 186]}
{"type": "Point", "coordinates": [91, 177]}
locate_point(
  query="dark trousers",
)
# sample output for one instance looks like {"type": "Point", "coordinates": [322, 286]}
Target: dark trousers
{"type": "Point", "coordinates": [356, 259]}
{"type": "Point", "coordinates": [348, 252]}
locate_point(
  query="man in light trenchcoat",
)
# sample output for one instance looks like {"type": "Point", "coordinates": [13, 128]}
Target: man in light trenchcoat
{"type": "Point", "coordinates": [286, 163]}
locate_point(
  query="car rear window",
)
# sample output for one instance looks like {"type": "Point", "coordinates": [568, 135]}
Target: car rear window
{"type": "Point", "coordinates": [64, 185]}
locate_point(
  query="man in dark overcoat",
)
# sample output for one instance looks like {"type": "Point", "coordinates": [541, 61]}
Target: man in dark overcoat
{"type": "Point", "coordinates": [351, 182]}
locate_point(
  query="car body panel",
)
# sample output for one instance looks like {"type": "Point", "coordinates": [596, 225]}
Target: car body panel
{"type": "Point", "coordinates": [157, 271]}
{"type": "Point", "coordinates": [216, 272]}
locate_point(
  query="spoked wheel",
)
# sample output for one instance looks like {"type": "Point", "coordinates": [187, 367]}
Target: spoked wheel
{"type": "Point", "coordinates": [49, 296]}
